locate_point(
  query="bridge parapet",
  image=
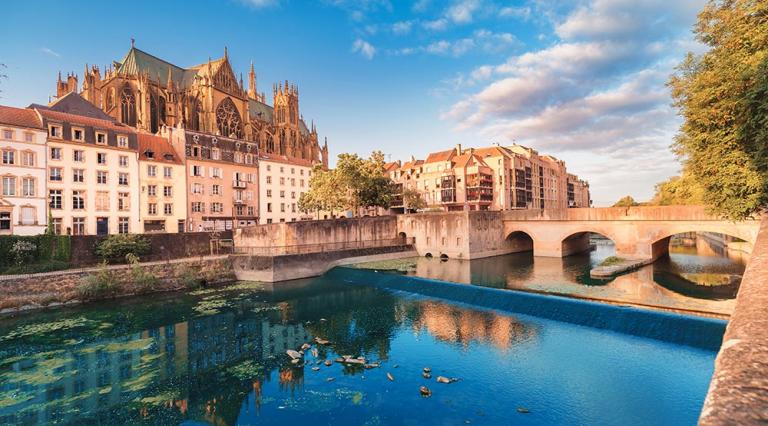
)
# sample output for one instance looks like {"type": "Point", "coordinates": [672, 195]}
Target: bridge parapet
{"type": "Point", "coordinates": [638, 213]}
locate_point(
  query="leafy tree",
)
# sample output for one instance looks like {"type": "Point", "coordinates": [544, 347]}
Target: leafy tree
{"type": "Point", "coordinates": [678, 190]}
{"type": "Point", "coordinates": [626, 201]}
{"type": "Point", "coordinates": [723, 98]}
{"type": "Point", "coordinates": [412, 200]}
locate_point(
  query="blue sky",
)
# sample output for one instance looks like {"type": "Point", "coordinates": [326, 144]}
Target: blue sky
{"type": "Point", "coordinates": [581, 80]}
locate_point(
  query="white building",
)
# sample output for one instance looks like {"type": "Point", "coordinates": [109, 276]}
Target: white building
{"type": "Point", "coordinates": [23, 198]}
{"type": "Point", "coordinates": [282, 181]}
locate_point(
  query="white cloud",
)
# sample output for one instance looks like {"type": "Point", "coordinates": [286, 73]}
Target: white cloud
{"type": "Point", "coordinates": [402, 27]}
{"type": "Point", "coordinates": [436, 25]}
{"type": "Point", "coordinates": [49, 51]}
{"type": "Point", "coordinates": [463, 11]}
{"type": "Point", "coordinates": [258, 4]}
{"type": "Point", "coordinates": [523, 13]}
{"type": "Point", "coordinates": [364, 48]}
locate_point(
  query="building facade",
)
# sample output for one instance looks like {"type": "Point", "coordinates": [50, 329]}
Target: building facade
{"type": "Point", "coordinates": [222, 180]}
{"type": "Point", "coordinates": [282, 181]}
{"type": "Point", "coordinates": [148, 93]}
{"type": "Point", "coordinates": [163, 181]}
{"type": "Point", "coordinates": [92, 170]}
{"type": "Point", "coordinates": [490, 178]}
{"type": "Point", "coordinates": [23, 207]}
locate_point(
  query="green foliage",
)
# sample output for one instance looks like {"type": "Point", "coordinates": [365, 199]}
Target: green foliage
{"type": "Point", "coordinates": [412, 200]}
{"type": "Point", "coordinates": [611, 260]}
{"type": "Point", "coordinates": [143, 280]}
{"type": "Point", "coordinates": [53, 249]}
{"type": "Point", "coordinates": [723, 98]}
{"type": "Point", "coordinates": [678, 190]}
{"type": "Point", "coordinates": [100, 284]}
{"type": "Point", "coordinates": [23, 251]}
{"type": "Point", "coordinates": [626, 201]}
{"type": "Point", "coordinates": [116, 247]}
{"type": "Point", "coordinates": [190, 277]}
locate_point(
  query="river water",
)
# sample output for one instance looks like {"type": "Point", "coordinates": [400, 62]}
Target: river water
{"type": "Point", "coordinates": [670, 282]}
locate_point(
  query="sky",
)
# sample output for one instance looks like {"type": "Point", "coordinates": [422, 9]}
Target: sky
{"type": "Point", "coordinates": [584, 81]}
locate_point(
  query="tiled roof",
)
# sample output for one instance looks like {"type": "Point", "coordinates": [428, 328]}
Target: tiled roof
{"type": "Point", "coordinates": [440, 156]}
{"type": "Point", "coordinates": [19, 117]}
{"type": "Point", "coordinates": [162, 150]}
{"type": "Point", "coordinates": [275, 158]}
{"type": "Point", "coordinates": [491, 151]}
{"type": "Point", "coordinates": [412, 164]}
{"type": "Point", "coordinates": [73, 103]}
{"type": "Point", "coordinates": [137, 61]}
{"type": "Point", "coordinates": [468, 159]}
{"type": "Point", "coordinates": [388, 167]}
{"type": "Point", "coordinates": [84, 121]}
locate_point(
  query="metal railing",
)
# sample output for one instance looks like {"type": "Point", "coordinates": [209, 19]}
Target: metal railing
{"type": "Point", "coordinates": [322, 247]}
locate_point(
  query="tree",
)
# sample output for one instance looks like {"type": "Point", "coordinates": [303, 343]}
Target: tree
{"type": "Point", "coordinates": [412, 200]}
{"type": "Point", "coordinates": [678, 190]}
{"type": "Point", "coordinates": [723, 98]}
{"type": "Point", "coordinates": [626, 201]}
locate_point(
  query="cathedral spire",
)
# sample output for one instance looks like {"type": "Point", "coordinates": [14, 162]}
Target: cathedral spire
{"type": "Point", "coordinates": [225, 53]}
{"type": "Point", "coordinates": [252, 93]}
{"type": "Point", "coordinates": [170, 79]}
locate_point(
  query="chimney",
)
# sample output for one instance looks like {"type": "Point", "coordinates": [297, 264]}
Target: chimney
{"type": "Point", "coordinates": [458, 149]}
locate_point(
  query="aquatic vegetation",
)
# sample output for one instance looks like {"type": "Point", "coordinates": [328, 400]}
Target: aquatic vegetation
{"type": "Point", "coordinates": [612, 260]}
{"type": "Point", "coordinates": [246, 370]}
{"type": "Point", "coordinates": [210, 306]}
{"type": "Point", "coordinates": [49, 327]}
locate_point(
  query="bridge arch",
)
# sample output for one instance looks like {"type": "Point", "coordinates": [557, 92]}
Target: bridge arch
{"type": "Point", "coordinates": [579, 241]}
{"type": "Point", "coordinates": [518, 241]}
{"type": "Point", "coordinates": [660, 241]}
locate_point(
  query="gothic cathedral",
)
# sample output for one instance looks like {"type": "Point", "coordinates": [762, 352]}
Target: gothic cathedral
{"type": "Point", "coordinates": [147, 93]}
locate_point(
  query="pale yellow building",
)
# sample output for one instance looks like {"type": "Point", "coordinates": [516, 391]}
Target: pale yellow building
{"type": "Point", "coordinates": [282, 180]}
{"type": "Point", "coordinates": [22, 171]}
{"type": "Point", "coordinates": [163, 182]}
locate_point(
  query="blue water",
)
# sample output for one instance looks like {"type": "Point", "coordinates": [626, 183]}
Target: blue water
{"type": "Point", "coordinates": [218, 357]}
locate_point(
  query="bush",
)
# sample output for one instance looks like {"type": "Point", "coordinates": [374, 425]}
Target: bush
{"type": "Point", "coordinates": [189, 276]}
{"type": "Point", "coordinates": [115, 248]}
{"type": "Point", "coordinates": [48, 247]}
{"type": "Point", "coordinates": [23, 251]}
{"type": "Point", "coordinates": [143, 280]}
{"type": "Point", "coordinates": [98, 285]}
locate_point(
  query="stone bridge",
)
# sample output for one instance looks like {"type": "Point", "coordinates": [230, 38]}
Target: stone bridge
{"type": "Point", "coordinates": [637, 232]}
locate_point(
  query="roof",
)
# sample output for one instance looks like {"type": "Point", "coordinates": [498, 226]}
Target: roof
{"type": "Point", "coordinates": [260, 111]}
{"type": "Point", "coordinates": [20, 117]}
{"type": "Point", "coordinates": [411, 164]}
{"type": "Point", "coordinates": [468, 159]}
{"type": "Point", "coordinates": [392, 166]}
{"type": "Point", "coordinates": [275, 158]}
{"type": "Point", "coordinates": [84, 120]}
{"type": "Point", "coordinates": [138, 61]}
{"type": "Point", "coordinates": [161, 149]}
{"type": "Point", "coordinates": [440, 156]}
{"type": "Point", "coordinates": [491, 151]}
{"type": "Point", "coordinates": [73, 103]}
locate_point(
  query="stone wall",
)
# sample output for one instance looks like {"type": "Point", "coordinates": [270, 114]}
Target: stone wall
{"type": "Point", "coordinates": [31, 291]}
{"type": "Point", "coordinates": [312, 232]}
{"type": "Point", "coordinates": [738, 393]}
{"type": "Point", "coordinates": [163, 246]}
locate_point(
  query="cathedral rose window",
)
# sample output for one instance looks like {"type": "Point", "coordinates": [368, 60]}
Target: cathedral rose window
{"type": "Point", "coordinates": [228, 119]}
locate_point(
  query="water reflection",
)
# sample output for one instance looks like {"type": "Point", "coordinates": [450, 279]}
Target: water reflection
{"type": "Point", "coordinates": [676, 281]}
{"type": "Point", "coordinates": [214, 356]}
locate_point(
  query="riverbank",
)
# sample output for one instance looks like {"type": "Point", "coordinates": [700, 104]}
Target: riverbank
{"type": "Point", "coordinates": [73, 286]}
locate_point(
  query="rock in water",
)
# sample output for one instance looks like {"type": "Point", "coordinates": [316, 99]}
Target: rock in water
{"type": "Point", "coordinates": [295, 361]}
{"type": "Point", "coordinates": [315, 368]}
{"type": "Point", "coordinates": [328, 362]}
{"type": "Point", "coordinates": [426, 375]}
{"type": "Point", "coordinates": [330, 379]}
{"type": "Point", "coordinates": [441, 379]}
{"type": "Point", "coordinates": [305, 346]}
{"type": "Point", "coordinates": [523, 410]}
{"type": "Point", "coordinates": [371, 365]}
{"type": "Point", "coordinates": [293, 354]}
{"type": "Point", "coordinates": [425, 392]}
{"type": "Point", "coordinates": [389, 376]}
{"type": "Point", "coordinates": [320, 341]}
{"type": "Point", "coordinates": [427, 370]}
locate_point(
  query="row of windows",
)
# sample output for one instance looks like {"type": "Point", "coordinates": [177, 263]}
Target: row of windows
{"type": "Point", "coordinates": [12, 157]}
{"type": "Point", "coordinates": [293, 170]}
{"type": "Point", "coordinates": [152, 209]}
{"type": "Point", "coordinates": [283, 206]}
{"type": "Point", "coordinates": [79, 156]}
{"type": "Point", "coordinates": [282, 194]}
{"type": "Point", "coordinates": [216, 207]}
{"type": "Point", "coordinates": [9, 134]}
{"type": "Point", "coordinates": [79, 225]}
{"type": "Point", "coordinates": [78, 198]}
{"type": "Point", "coordinates": [282, 181]}
{"type": "Point", "coordinates": [27, 189]}
{"type": "Point", "coordinates": [56, 174]}
{"type": "Point", "coordinates": [238, 157]}
{"type": "Point", "coordinates": [152, 171]}
{"type": "Point", "coordinates": [78, 135]}
{"type": "Point", "coordinates": [27, 216]}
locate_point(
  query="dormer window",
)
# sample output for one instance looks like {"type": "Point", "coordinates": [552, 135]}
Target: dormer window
{"type": "Point", "coordinates": [149, 154]}
{"type": "Point", "coordinates": [78, 134]}
{"type": "Point", "coordinates": [122, 141]}
{"type": "Point", "coordinates": [101, 138]}
{"type": "Point", "coordinates": [54, 131]}
{"type": "Point", "coordinates": [168, 157]}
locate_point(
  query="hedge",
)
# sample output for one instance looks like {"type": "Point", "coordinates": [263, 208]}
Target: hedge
{"type": "Point", "coordinates": [49, 247]}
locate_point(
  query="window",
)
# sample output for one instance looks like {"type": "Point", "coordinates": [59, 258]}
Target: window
{"type": "Point", "coordinates": [168, 209]}
{"type": "Point", "coordinates": [122, 141]}
{"type": "Point", "coordinates": [282, 207]}
{"type": "Point", "coordinates": [78, 200]}
{"type": "Point", "coordinates": [28, 158]}
{"type": "Point", "coordinates": [216, 172]}
{"type": "Point", "coordinates": [29, 137]}
{"type": "Point", "coordinates": [101, 177]}
{"type": "Point", "coordinates": [122, 225]}
{"type": "Point", "coordinates": [293, 171]}
{"type": "Point", "coordinates": [269, 221]}
{"type": "Point", "coordinates": [269, 207]}
{"type": "Point", "coordinates": [54, 131]}
{"type": "Point", "coordinates": [269, 193]}
{"type": "Point", "coordinates": [9, 185]}
{"type": "Point", "coordinates": [9, 156]}
{"type": "Point", "coordinates": [293, 207]}
{"type": "Point", "coordinates": [8, 134]}
{"type": "Point", "coordinates": [151, 171]}
{"type": "Point", "coordinates": [123, 201]}
{"type": "Point", "coordinates": [197, 207]}
{"type": "Point", "coordinates": [282, 194]}
{"type": "Point", "coordinates": [55, 174]}
{"type": "Point", "coordinates": [102, 201]}
{"type": "Point", "coordinates": [282, 181]}
{"type": "Point", "coordinates": [152, 209]}
{"type": "Point", "coordinates": [78, 175]}
{"type": "Point", "coordinates": [78, 155]}
{"type": "Point", "coordinates": [122, 179]}
{"type": "Point", "coordinates": [152, 190]}
{"type": "Point", "coordinates": [197, 171]}
{"type": "Point", "coordinates": [197, 188]}
{"type": "Point", "coordinates": [250, 210]}
{"type": "Point", "coordinates": [5, 221]}
{"type": "Point", "coordinates": [78, 225]}
{"type": "Point", "coordinates": [101, 138]}
{"type": "Point", "coordinates": [269, 168]}
{"type": "Point", "coordinates": [293, 181]}
{"type": "Point", "coordinates": [55, 153]}
{"type": "Point", "coordinates": [167, 191]}
{"type": "Point", "coordinates": [217, 207]}
{"type": "Point", "coordinates": [55, 199]}
{"type": "Point", "coordinates": [269, 179]}
{"type": "Point", "coordinates": [78, 134]}
{"type": "Point", "coordinates": [167, 172]}
{"type": "Point", "coordinates": [101, 158]}
{"type": "Point", "coordinates": [301, 183]}
{"type": "Point", "coordinates": [293, 195]}
{"type": "Point", "coordinates": [216, 189]}
{"type": "Point", "coordinates": [123, 161]}
{"type": "Point", "coordinates": [56, 222]}
{"type": "Point", "coordinates": [301, 172]}
{"type": "Point", "coordinates": [27, 187]}
{"type": "Point", "coordinates": [282, 169]}
{"type": "Point", "coordinates": [215, 154]}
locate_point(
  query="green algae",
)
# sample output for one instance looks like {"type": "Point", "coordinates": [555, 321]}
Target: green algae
{"type": "Point", "coordinates": [65, 324]}
{"type": "Point", "coordinates": [246, 370]}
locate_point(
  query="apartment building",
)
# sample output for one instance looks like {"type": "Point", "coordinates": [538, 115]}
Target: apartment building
{"type": "Point", "coordinates": [23, 199]}
{"type": "Point", "coordinates": [222, 179]}
{"type": "Point", "coordinates": [163, 181]}
{"type": "Point", "coordinates": [92, 169]}
{"type": "Point", "coordinates": [578, 192]}
{"type": "Point", "coordinates": [282, 180]}
{"type": "Point", "coordinates": [489, 178]}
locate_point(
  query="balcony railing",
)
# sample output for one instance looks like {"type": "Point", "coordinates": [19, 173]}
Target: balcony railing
{"type": "Point", "coordinates": [241, 184]}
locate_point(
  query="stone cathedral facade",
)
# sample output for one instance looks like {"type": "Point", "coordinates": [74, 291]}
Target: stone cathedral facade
{"type": "Point", "coordinates": [147, 93]}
